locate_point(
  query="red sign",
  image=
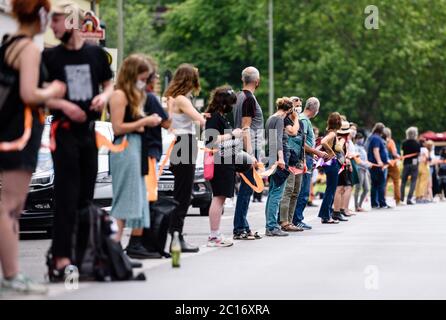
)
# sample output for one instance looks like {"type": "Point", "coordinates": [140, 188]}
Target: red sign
{"type": "Point", "coordinates": [91, 27]}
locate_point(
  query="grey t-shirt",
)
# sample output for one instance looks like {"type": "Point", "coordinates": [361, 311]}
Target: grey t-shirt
{"type": "Point", "coordinates": [276, 137]}
{"type": "Point", "coordinates": [247, 106]}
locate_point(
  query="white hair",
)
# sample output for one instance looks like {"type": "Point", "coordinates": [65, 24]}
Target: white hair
{"type": "Point", "coordinates": [312, 104]}
{"type": "Point", "coordinates": [412, 133]}
{"type": "Point", "coordinates": [250, 75]}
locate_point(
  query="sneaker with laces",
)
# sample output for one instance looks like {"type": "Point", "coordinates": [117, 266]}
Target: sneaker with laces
{"type": "Point", "coordinates": [23, 285]}
{"type": "Point", "coordinates": [276, 233]}
{"type": "Point", "coordinates": [219, 242]}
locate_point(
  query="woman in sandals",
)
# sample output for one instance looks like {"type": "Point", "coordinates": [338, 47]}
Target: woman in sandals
{"type": "Point", "coordinates": [20, 57]}
{"type": "Point", "coordinates": [218, 133]}
{"type": "Point", "coordinates": [130, 206]}
{"type": "Point", "coordinates": [331, 145]}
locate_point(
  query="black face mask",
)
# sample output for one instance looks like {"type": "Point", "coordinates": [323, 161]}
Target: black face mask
{"type": "Point", "coordinates": [66, 37]}
{"type": "Point", "coordinates": [227, 109]}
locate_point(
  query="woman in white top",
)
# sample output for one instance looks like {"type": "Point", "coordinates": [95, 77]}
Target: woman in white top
{"type": "Point", "coordinates": [184, 85]}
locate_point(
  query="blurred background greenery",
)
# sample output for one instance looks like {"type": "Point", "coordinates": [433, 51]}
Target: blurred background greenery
{"type": "Point", "coordinates": [394, 74]}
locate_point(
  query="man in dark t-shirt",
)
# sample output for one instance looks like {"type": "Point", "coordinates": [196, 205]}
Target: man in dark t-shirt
{"type": "Point", "coordinates": [410, 165]}
{"type": "Point", "coordinates": [248, 116]}
{"type": "Point", "coordinates": [85, 70]}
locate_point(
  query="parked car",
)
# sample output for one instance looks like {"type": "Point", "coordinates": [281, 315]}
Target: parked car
{"type": "Point", "coordinates": [39, 208]}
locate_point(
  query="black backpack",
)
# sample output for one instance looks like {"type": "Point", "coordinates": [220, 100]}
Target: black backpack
{"type": "Point", "coordinates": [97, 256]}
{"type": "Point", "coordinates": [155, 237]}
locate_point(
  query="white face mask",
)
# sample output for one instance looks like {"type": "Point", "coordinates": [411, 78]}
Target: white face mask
{"type": "Point", "coordinates": [140, 85]}
{"type": "Point", "coordinates": [299, 109]}
{"type": "Point", "coordinates": [43, 15]}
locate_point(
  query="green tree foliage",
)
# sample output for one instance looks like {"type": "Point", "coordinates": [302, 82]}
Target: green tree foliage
{"type": "Point", "coordinates": [394, 74]}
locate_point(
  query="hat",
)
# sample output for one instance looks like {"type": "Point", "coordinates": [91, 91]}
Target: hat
{"type": "Point", "coordinates": [68, 8]}
{"type": "Point", "coordinates": [345, 128]}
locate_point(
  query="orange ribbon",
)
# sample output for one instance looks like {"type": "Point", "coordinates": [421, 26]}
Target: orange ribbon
{"type": "Point", "coordinates": [20, 143]}
{"type": "Point", "coordinates": [259, 187]}
{"type": "Point", "coordinates": [102, 141]}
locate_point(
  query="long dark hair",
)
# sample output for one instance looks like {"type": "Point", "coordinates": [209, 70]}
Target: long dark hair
{"type": "Point", "coordinates": [222, 99]}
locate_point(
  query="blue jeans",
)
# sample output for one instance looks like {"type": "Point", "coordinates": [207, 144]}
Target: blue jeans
{"type": "Point", "coordinates": [275, 194]}
{"type": "Point", "coordinates": [377, 193]}
{"type": "Point", "coordinates": [332, 173]}
{"type": "Point", "coordinates": [304, 193]}
{"type": "Point", "coordinates": [242, 205]}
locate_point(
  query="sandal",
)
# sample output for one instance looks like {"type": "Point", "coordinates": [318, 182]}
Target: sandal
{"type": "Point", "coordinates": [360, 210]}
{"type": "Point", "coordinates": [244, 236]}
{"type": "Point", "coordinates": [256, 235]}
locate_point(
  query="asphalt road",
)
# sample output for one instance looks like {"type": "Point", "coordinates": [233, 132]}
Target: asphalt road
{"type": "Point", "coordinates": [384, 254]}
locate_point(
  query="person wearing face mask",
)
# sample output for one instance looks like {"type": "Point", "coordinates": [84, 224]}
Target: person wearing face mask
{"type": "Point", "coordinates": [128, 168]}
{"type": "Point", "coordinates": [20, 57]}
{"type": "Point", "coordinates": [218, 133]}
{"type": "Point", "coordinates": [154, 149]}
{"type": "Point", "coordinates": [363, 173]}
{"type": "Point", "coordinates": [85, 70]}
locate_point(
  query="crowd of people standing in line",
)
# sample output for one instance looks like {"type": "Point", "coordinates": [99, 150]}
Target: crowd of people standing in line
{"type": "Point", "coordinates": [78, 87]}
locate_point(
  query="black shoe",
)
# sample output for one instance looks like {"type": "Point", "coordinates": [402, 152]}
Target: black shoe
{"type": "Point", "coordinates": [342, 212]}
{"type": "Point", "coordinates": [338, 217]}
{"type": "Point", "coordinates": [387, 207]}
{"type": "Point", "coordinates": [187, 247]}
{"type": "Point", "coordinates": [136, 250]}
{"type": "Point", "coordinates": [55, 275]}
{"type": "Point", "coordinates": [136, 264]}
{"type": "Point", "coordinates": [409, 202]}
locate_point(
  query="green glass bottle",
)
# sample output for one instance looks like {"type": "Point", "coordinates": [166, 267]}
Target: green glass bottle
{"type": "Point", "coordinates": [175, 250]}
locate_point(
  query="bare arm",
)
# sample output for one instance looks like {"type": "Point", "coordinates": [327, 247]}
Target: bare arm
{"type": "Point", "coordinates": [246, 126]}
{"type": "Point", "coordinates": [186, 107]}
{"type": "Point", "coordinates": [100, 101]}
{"type": "Point", "coordinates": [29, 68]}
{"type": "Point", "coordinates": [118, 103]}
{"type": "Point", "coordinates": [377, 156]}
{"type": "Point", "coordinates": [327, 142]}
{"type": "Point", "coordinates": [292, 130]}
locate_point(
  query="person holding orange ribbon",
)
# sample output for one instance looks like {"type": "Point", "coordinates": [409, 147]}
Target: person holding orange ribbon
{"type": "Point", "coordinates": [129, 167]}
{"type": "Point", "coordinates": [219, 134]}
{"type": "Point", "coordinates": [21, 131]}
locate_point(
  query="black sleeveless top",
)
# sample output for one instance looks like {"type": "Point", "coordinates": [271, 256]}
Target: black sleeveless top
{"type": "Point", "coordinates": [12, 120]}
{"type": "Point", "coordinates": [128, 117]}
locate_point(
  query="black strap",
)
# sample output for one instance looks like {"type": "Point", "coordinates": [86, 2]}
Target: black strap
{"type": "Point", "coordinates": [7, 43]}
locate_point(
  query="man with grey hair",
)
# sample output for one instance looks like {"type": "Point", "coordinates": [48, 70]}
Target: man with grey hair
{"type": "Point", "coordinates": [248, 116]}
{"type": "Point", "coordinates": [410, 164]}
{"type": "Point", "coordinates": [311, 110]}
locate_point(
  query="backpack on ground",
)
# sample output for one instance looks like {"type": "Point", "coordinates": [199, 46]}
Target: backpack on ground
{"type": "Point", "coordinates": [155, 237]}
{"type": "Point", "coordinates": [97, 256]}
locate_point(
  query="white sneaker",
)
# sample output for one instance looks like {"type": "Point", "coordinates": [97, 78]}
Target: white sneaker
{"type": "Point", "coordinates": [219, 242]}
{"type": "Point", "coordinates": [23, 285]}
